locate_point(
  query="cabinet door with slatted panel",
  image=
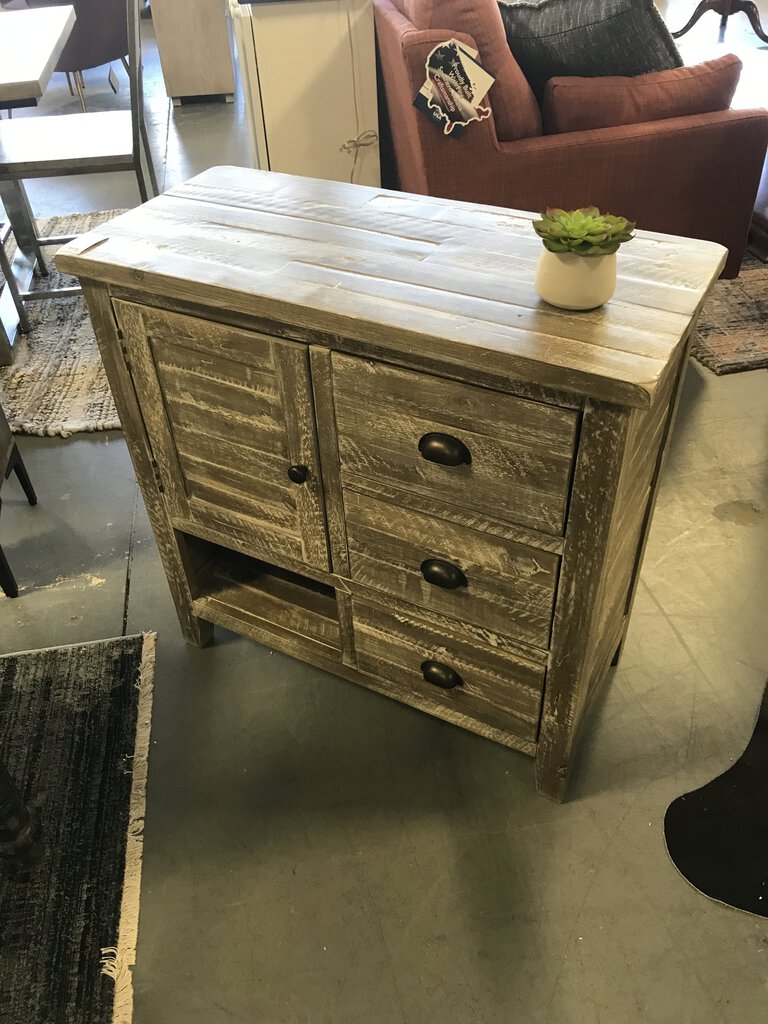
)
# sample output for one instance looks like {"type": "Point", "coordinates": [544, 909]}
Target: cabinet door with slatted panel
{"type": "Point", "coordinates": [230, 420]}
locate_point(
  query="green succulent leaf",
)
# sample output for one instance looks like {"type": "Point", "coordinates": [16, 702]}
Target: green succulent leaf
{"type": "Point", "coordinates": [585, 231]}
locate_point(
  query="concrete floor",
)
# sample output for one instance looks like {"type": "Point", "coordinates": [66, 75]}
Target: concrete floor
{"type": "Point", "coordinates": [317, 854]}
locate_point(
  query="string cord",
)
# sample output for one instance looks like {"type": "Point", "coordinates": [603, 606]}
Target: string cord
{"type": "Point", "coordinates": [364, 138]}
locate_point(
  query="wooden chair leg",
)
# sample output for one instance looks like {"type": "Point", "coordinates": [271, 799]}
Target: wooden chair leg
{"type": "Point", "coordinates": [16, 464]}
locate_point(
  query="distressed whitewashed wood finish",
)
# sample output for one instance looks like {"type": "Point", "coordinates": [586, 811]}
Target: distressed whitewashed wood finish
{"type": "Point", "coordinates": [228, 413]}
{"type": "Point", "coordinates": [521, 451]}
{"type": "Point", "coordinates": [500, 689]}
{"type": "Point", "coordinates": [269, 321]}
{"type": "Point", "coordinates": [510, 587]}
{"type": "Point", "coordinates": [397, 270]}
{"type": "Point", "coordinates": [171, 548]}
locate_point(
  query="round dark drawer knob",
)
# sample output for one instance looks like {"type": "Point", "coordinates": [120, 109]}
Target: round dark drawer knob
{"type": "Point", "coordinates": [442, 574]}
{"type": "Point", "coordinates": [437, 674]}
{"type": "Point", "coordinates": [445, 450]}
{"type": "Point", "coordinates": [298, 474]}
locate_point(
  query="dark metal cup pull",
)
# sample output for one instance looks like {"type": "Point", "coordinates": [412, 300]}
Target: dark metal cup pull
{"type": "Point", "coordinates": [298, 474]}
{"type": "Point", "coordinates": [437, 674]}
{"type": "Point", "coordinates": [442, 574]}
{"type": "Point", "coordinates": [445, 450]}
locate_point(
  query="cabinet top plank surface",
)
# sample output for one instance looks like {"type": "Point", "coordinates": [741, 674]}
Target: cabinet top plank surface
{"type": "Point", "coordinates": [411, 274]}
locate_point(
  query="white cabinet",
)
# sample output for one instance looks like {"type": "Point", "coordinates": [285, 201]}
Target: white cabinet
{"type": "Point", "coordinates": [308, 69]}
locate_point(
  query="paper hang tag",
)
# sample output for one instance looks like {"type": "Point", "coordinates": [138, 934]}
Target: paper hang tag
{"type": "Point", "coordinates": [113, 81]}
{"type": "Point", "coordinates": [455, 86]}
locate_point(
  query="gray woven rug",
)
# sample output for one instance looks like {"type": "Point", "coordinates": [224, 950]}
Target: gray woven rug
{"type": "Point", "coordinates": [74, 735]}
{"type": "Point", "coordinates": [732, 333]}
{"type": "Point", "coordinates": [57, 384]}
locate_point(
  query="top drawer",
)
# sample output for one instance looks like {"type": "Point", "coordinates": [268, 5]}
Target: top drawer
{"type": "Point", "coordinates": [498, 454]}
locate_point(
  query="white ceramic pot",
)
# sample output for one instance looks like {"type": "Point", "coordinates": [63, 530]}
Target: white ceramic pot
{"type": "Point", "coordinates": [575, 282]}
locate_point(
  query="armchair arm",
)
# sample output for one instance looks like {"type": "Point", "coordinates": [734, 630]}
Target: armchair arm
{"type": "Point", "coordinates": [695, 176]}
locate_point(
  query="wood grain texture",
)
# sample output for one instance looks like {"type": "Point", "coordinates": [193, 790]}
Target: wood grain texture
{"type": "Point", "coordinates": [510, 588]}
{"type": "Point", "coordinates": [348, 260]}
{"type": "Point", "coordinates": [650, 452]}
{"type": "Point", "coordinates": [462, 516]}
{"type": "Point", "coordinates": [255, 591]}
{"type": "Point", "coordinates": [521, 451]}
{"type": "Point", "coordinates": [231, 536]}
{"type": "Point", "coordinates": [418, 359]}
{"type": "Point", "coordinates": [264, 633]}
{"type": "Point", "coordinates": [248, 410]}
{"type": "Point", "coordinates": [598, 469]}
{"type": "Point", "coordinates": [299, 419]}
{"type": "Point", "coordinates": [504, 692]}
{"type": "Point", "coordinates": [196, 630]}
{"type": "Point", "coordinates": [322, 389]}
{"type": "Point", "coordinates": [272, 321]}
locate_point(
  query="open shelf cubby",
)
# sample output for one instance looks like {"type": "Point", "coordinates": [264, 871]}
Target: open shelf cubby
{"type": "Point", "coordinates": [262, 600]}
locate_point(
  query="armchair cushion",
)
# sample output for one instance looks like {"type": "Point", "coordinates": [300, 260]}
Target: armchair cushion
{"type": "Point", "coordinates": [516, 112]}
{"type": "Point", "coordinates": [573, 104]}
{"type": "Point", "coordinates": [589, 38]}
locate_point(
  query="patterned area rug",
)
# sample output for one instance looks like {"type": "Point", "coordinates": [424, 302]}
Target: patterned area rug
{"type": "Point", "coordinates": [732, 333]}
{"type": "Point", "coordinates": [74, 734]}
{"type": "Point", "coordinates": [57, 384]}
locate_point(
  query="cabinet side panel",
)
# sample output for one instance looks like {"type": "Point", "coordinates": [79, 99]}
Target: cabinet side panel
{"type": "Point", "coordinates": [602, 448]}
{"type": "Point", "coordinates": [195, 630]}
{"type": "Point", "coordinates": [647, 438]}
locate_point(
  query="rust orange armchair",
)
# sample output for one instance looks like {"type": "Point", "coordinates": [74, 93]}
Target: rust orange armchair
{"type": "Point", "coordinates": [696, 175]}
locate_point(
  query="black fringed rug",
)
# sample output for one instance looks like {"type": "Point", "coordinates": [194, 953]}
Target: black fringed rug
{"type": "Point", "coordinates": [74, 735]}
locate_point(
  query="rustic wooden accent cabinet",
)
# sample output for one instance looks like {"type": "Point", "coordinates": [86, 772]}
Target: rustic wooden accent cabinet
{"type": "Point", "coordinates": [364, 441]}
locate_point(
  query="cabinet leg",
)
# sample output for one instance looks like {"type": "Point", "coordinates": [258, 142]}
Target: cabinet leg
{"type": "Point", "coordinates": [197, 632]}
{"type": "Point", "coordinates": [551, 782]}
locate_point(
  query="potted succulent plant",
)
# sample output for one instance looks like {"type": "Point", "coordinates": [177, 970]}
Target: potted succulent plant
{"type": "Point", "coordinates": [577, 269]}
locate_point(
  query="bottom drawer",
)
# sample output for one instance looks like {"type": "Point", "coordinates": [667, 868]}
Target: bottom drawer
{"type": "Point", "coordinates": [471, 672]}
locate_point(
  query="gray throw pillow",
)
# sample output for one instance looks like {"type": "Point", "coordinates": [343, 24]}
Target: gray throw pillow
{"type": "Point", "coordinates": [589, 38]}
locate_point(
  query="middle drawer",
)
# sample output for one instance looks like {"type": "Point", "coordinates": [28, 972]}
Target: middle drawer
{"type": "Point", "coordinates": [505, 586]}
